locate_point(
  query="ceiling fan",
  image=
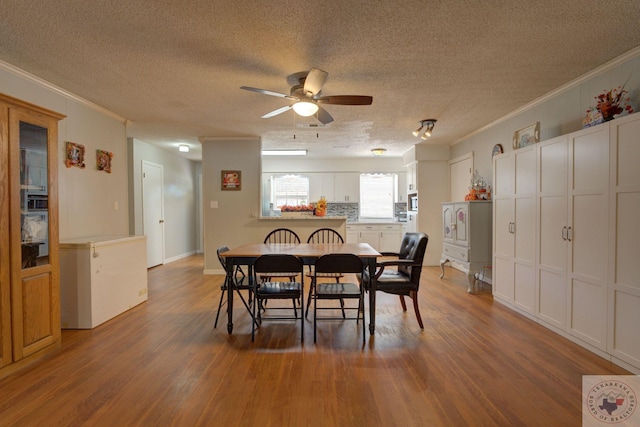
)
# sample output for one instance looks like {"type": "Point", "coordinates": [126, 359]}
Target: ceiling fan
{"type": "Point", "coordinates": [306, 97]}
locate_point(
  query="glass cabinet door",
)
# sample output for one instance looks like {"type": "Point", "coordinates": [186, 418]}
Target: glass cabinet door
{"type": "Point", "coordinates": [34, 201]}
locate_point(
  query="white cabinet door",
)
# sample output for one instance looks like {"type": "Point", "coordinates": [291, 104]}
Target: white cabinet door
{"type": "Point", "coordinates": [624, 240]}
{"type": "Point", "coordinates": [346, 187]}
{"type": "Point", "coordinates": [402, 187]}
{"type": "Point", "coordinates": [390, 238]}
{"type": "Point", "coordinates": [369, 234]}
{"type": "Point", "coordinates": [525, 229]}
{"type": "Point", "coordinates": [321, 184]}
{"type": "Point", "coordinates": [352, 234]}
{"type": "Point", "coordinates": [503, 234]}
{"type": "Point", "coordinates": [552, 246]}
{"type": "Point", "coordinates": [461, 221]}
{"type": "Point", "coordinates": [448, 223]}
{"type": "Point", "coordinates": [588, 197]}
{"type": "Point", "coordinates": [514, 228]}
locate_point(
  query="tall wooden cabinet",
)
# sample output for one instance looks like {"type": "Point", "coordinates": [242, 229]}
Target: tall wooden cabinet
{"type": "Point", "coordinates": [29, 265]}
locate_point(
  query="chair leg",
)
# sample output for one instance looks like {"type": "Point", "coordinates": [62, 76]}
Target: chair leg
{"type": "Point", "coordinates": [414, 297]}
{"type": "Point", "coordinates": [404, 306]}
{"type": "Point", "coordinates": [223, 288]}
{"type": "Point", "coordinates": [311, 288]}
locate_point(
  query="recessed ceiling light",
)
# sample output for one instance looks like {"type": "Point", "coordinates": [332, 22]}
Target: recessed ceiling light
{"type": "Point", "coordinates": [183, 148]}
{"type": "Point", "coordinates": [284, 152]}
{"type": "Point", "coordinates": [378, 151]}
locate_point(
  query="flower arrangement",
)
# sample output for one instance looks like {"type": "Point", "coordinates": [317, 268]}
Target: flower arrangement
{"type": "Point", "coordinates": [321, 207]}
{"type": "Point", "coordinates": [612, 102]}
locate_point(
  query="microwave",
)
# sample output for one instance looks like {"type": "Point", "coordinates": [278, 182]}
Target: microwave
{"type": "Point", "coordinates": [36, 202]}
{"type": "Point", "coordinates": [413, 202]}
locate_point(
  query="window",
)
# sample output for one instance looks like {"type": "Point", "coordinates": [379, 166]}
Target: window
{"type": "Point", "coordinates": [377, 194]}
{"type": "Point", "coordinates": [290, 190]}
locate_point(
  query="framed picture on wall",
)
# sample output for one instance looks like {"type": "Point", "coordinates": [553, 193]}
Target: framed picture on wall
{"type": "Point", "coordinates": [231, 180]}
{"type": "Point", "coordinates": [526, 136]}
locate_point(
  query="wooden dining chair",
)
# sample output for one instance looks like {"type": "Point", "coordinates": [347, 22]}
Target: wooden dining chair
{"type": "Point", "coordinates": [322, 235]}
{"type": "Point", "coordinates": [277, 265]}
{"type": "Point", "coordinates": [338, 264]}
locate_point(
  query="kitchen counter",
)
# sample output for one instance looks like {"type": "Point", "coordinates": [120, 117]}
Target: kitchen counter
{"type": "Point", "coordinates": [303, 225]}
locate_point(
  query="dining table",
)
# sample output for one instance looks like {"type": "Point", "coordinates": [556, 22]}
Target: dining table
{"type": "Point", "coordinates": [309, 252]}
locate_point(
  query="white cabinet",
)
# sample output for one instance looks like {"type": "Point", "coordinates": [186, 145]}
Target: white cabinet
{"type": "Point", "coordinates": [390, 238]}
{"type": "Point", "coordinates": [412, 183]}
{"type": "Point", "coordinates": [321, 184]}
{"type": "Point", "coordinates": [573, 196]}
{"type": "Point", "coordinates": [514, 225]}
{"type": "Point", "coordinates": [466, 237]}
{"type": "Point", "coordinates": [586, 236]}
{"type": "Point", "coordinates": [402, 187]}
{"type": "Point", "coordinates": [624, 241]}
{"type": "Point", "coordinates": [572, 257]}
{"type": "Point", "coordinates": [382, 237]}
{"type": "Point", "coordinates": [352, 234]}
{"type": "Point", "coordinates": [346, 187]}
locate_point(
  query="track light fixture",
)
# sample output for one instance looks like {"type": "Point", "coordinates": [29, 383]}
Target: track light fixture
{"type": "Point", "coordinates": [427, 125]}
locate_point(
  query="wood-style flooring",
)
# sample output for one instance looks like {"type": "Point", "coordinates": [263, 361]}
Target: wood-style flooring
{"type": "Point", "coordinates": [476, 363]}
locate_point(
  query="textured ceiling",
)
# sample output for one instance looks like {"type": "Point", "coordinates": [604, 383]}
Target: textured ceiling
{"type": "Point", "coordinates": [174, 68]}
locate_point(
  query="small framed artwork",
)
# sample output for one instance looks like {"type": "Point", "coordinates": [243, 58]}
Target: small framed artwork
{"type": "Point", "coordinates": [231, 180]}
{"type": "Point", "coordinates": [103, 160]}
{"type": "Point", "coordinates": [526, 136]}
{"type": "Point", "coordinates": [75, 155]}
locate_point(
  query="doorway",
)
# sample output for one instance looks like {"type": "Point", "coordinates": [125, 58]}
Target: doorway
{"type": "Point", "coordinates": [153, 212]}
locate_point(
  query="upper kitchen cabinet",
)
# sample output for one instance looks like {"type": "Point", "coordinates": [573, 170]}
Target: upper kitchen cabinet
{"type": "Point", "coordinates": [320, 184]}
{"type": "Point", "coordinates": [402, 185]}
{"type": "Point", "coordinates": [346, 187]}
{"type": "Point", "coordinates": [29, 265]}
{"type": "Point", "coordinates": [411, 181]}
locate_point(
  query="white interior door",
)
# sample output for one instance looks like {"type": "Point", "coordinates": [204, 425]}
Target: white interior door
{"type": "Point", "coordinates": [152, 212]}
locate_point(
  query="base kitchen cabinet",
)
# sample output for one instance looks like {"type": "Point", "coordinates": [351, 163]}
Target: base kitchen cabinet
{"type": "Point", "coordinates": [467, 238]}
{"type": "Point", "coordinates": [382, 237]}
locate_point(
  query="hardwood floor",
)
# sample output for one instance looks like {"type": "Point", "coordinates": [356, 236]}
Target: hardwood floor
{"type": "Point", "coordinates": [162, 363]}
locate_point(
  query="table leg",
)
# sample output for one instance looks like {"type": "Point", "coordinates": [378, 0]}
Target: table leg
{"type": "Point", "coordinates": [230, 265]}
{"type": "Point", "coordinates": [372, 295]}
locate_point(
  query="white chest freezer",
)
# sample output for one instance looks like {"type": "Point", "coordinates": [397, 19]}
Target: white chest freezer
{"type": "Point", "coordinates": [101, 277]}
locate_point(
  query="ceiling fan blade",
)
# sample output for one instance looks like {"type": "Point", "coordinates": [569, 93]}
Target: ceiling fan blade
{"type": "Point", "coordinates": [276, 112]}
{"type": "Point", "coordinates": [323, 116]}
{"type": "Point", "coordinates": [346, 100]}
{"type": "Point", "coordinates": [269, 92]}
{"type": "Point", "coordinates": [314, 81]}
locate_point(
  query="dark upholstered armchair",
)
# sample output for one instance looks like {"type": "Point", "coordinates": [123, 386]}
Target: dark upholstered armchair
{"type": "Point", "coordinates": [404, 280]}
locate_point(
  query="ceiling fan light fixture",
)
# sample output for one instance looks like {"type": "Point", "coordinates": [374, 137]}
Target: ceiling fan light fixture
{"type": "Point", "coordinates": [378, 151]}
{"type": "Point", "coordinates": [305, 108]}
{"type": "Point", "coordinates": [183, 148]}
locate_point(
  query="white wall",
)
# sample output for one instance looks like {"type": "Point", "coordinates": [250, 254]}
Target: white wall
{"type": "Point", "coordinates": [180, 198]}
{"type": "Point", "coordinates": [559, 113]}
{"type": "Point", "coordinates": [87, 197]}
{"type": "Point", "coordinates": [234, 221]}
